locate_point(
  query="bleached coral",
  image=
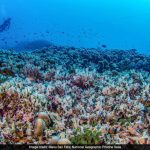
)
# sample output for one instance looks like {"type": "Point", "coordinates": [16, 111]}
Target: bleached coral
{"type": "Point", "coordinates": [53, 94]}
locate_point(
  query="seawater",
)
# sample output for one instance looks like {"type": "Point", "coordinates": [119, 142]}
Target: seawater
{"type": "Point", "coordinates": [119, 24]}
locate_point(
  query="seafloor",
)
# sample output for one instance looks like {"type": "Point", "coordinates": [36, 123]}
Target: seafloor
{"type": "Point", "coordinates": [63, 95]}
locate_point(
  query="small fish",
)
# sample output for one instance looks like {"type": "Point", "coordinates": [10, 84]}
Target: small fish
{"type": "Point", "coordinates": [47, 32]}
{"type": "Point", "coordinates": [84, 32]}
{"type": "Point", "coordinates": [3, 39]}
{"type": "Point", "coordinates": [104, 46]}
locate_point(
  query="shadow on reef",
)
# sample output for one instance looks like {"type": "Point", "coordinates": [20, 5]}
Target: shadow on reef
{"type": "Point", "coordinates": [5, 25]}
{"type": "Point", "coordinates": [33, 45]}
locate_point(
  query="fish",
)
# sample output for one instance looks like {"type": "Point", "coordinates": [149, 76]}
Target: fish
{"type": "Point", "coordinates": [104, 46]}
{"type": "Point", "coordinates": [5, 25]}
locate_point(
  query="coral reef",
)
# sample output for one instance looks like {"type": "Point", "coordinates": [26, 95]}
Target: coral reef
{"type": "Point", "coordinates": [87, 136]}
{"type": "Point", "coordinates": [83, 82]}
{"type": "Point", "coordinates": [64, 95]}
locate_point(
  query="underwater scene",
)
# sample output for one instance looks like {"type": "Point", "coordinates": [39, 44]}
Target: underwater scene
{"type": "Point", "coordinates": [74, 72]}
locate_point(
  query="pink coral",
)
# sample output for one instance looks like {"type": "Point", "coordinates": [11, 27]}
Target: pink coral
{"type": "Point", "coordinates": [49, 76]}
{"type": "Point", "coordinates": [83, 82]}
{"type": "Point", "coordinates": [33, 73]}
{"type": "Point", "coordinates": [60, 90]}
{"type": "Point", "coordinates": [57, 90]}
{"type": "Point", "coordinates": [17, 111]}
{"type": "Point", "coordinates": [111, 91]}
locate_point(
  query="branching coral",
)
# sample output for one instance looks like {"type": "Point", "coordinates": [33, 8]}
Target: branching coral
{"type": "Point", "coordinates": [20, 113]}
{"type": "Point", "coordinates": [111, 91]}
{"type": "Point", "coordinates": [7, 72]}
{"type": "Point", "coordinates": [57, 90]}
{"type": "Point", "coordinates": [49, 76]}
{"type": "Point", "coordinates": [32, 73]}
{"type": "Point", "coordinates": [83, 82]}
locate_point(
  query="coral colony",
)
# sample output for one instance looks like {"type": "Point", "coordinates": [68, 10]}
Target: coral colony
{"type": "Point", "coordinates": [67, 95]}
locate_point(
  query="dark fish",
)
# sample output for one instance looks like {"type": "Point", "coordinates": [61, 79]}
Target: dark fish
{"type": "Point", "coordinates": [35, 33]}
{"type": "Point", "coordinates": [5, 25]}
{"type": "Point", "coordinates": [47, 32]}
{"type": "Point", "coordinates": [84, 32]}
{"type": "Point", "coordinates": [104, 46]}
{"type": "Point", "coordinates": [42, 35]}
{"type": "Point", "coordinates": [2, 39]}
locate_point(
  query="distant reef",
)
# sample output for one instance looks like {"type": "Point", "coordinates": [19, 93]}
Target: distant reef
{"type": "Point", "coordinates": [72, 59]}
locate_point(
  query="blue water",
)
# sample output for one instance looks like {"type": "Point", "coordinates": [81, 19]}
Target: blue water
{"type": "Point", "coordinates": [120, 24]}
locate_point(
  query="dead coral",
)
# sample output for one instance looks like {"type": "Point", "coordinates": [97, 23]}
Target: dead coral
{"type": "Point", "coordinates": [49, 76]}
{"type": "Point", "coordinates": [33, 73]}
{"type": "Point", "coordinates": [20, 113]}
{"type": "Point", "coordinates": [83, 82]}
{"type": "Point", "coordinates": [7, 72]}
{"type": "Point", "coordinates": [111, 91]}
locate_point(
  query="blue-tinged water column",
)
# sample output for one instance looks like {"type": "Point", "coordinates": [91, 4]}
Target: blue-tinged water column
{"type": "Point", "coordinates": [122, 24]}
